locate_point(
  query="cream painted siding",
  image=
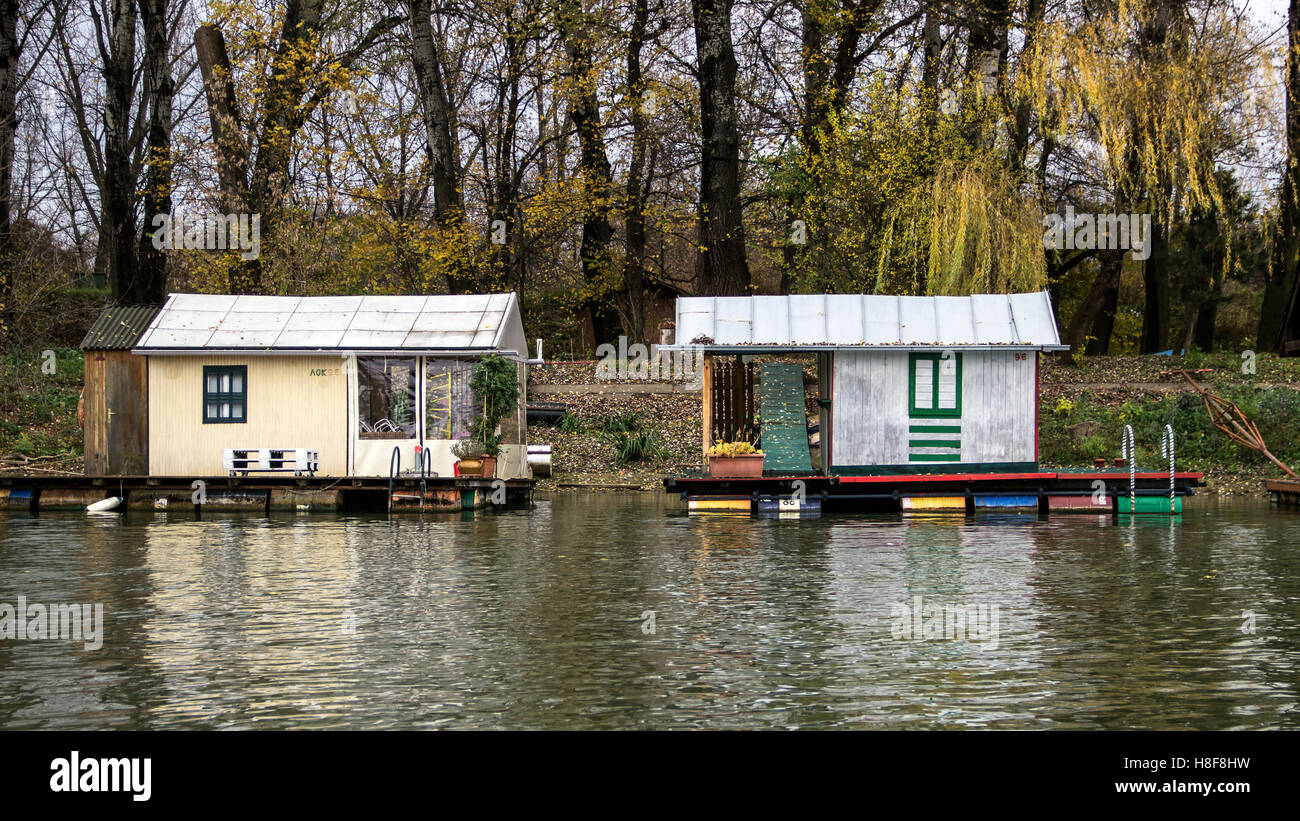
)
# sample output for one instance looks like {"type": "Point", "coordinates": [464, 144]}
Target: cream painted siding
{"type": "Point", "coordinates": [293, 402]}
{"type": "Point", "coordinates": [871, 419]}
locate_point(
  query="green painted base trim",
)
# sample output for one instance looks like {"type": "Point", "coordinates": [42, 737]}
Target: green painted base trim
{"type": "Point", "coordinates": [911, 470]}
{"type": "Point", "coordinates": [934, 457]}
{"type": "Point", "coordinates": [934, 429]}
{"type": "Point", "coordinates": [1151, 504]}
{"type": "Point", "coordinates": [934, 443]}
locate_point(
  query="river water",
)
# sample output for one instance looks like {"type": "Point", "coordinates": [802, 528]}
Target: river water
{"type": "Point", "coordinates": [622, 611]}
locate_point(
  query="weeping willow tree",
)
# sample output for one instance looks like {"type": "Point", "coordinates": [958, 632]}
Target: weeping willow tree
{"type": "Point", "coordinates": [898, 200]}
{"type": "Point", "coordinates": [1145, 101]}
{"type": "Point", "coordinates": [965, 230]}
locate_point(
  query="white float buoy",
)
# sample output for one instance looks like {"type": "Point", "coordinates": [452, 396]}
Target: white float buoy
{"type": "Point", "coordinates": [104, 505]}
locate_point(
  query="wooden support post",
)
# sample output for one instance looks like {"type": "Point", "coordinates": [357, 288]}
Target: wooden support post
{"type": "Point", "coordinates": [706, 398]}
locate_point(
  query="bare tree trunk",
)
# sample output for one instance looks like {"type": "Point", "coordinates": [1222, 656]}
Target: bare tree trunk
{"type": "Point", "coordinates": [986, 58]}
{"type": "Point", "coordinates": [285, 109]}
{"type": "Point", "coordinates": [117, 188]}
{"type": "Point", "coordinates": [635, 196]}
{"type": "Point", "coordinates": [932, 45]}
{"type": "Point", "coordinates": [223, 113]}
{"type": "Point", "coordinates": [447, 208]}
{"type": "Point", "coordinates": [1280, 290]}
{"type": "Point", "coordinates": [598, 272]}
{"type": "Point", "coordinates": [9, 48]}
{"type": "Point", "coordinates": [721, 265]}
{"type": "Point", "coordinates": [1103, 326]}
{"type": "Point", "coordinates": [1153, 43]}
{"type": "Point", "coordinates": [151, 284]}
{"type": "Point", "coordinates": [1155, 276]}
{"type": "Point", "coordinates": [1024, 109]}
{"type": "Point", "coordinates": [1090, 310]}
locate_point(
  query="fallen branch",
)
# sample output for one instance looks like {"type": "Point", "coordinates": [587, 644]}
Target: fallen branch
{"type": "Point", "coordinates": [1233, 421]}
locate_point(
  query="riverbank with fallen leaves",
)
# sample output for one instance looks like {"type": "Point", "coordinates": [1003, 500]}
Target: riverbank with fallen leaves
{"type": "Point", "coordinates": [1082, 409]}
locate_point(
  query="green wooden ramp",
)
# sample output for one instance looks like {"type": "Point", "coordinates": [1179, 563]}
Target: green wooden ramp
{"type": "Point", "coordinates": [783, 427]}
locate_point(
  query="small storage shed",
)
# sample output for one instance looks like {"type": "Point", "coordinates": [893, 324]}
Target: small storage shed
{"type": "Point", "coordinates": [115, 411]}
{"type": "Point", "coordinates": [906, 384]}
{"type": "Point", "coordinates": [349, 377]}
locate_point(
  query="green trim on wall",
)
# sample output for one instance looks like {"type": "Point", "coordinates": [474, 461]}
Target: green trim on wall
{"type": "Point", "coordinates": [934, 411]}
{"type": "Point", "coordinates": [934, 443]}
{"type": "Point", "coordinates": [934, 457]}
{"type": "Point", "coordinates": [934, 429]}
{"type": "Point", "coordinates": [912, 470]}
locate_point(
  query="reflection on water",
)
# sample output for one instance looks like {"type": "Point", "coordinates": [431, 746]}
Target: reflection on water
{"type": "Point", "coordinates": [537, 619]}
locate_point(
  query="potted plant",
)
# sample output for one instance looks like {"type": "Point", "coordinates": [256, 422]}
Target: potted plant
{"type": "Point", "coordinates": [495, 382]}
{"type": "Point", "coordinates": [735, 460]}
{"type": "Point", "coordinates": [469, 457]}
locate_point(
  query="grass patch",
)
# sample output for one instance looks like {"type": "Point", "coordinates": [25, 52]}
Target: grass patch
{"type": "Point", "coordinates": [38, 402]}
{"type": "Point", "coordinates": [1092, 430]}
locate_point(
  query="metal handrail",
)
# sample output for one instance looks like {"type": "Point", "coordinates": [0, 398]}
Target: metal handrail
{"type": "Point", "coordinates": [1128, 448]}
{"type": "Point", "coordinates": [1167, 451]}
{"type": "Point", "coordinates": [426, 462]}
{"type": "Point", "coordinates": [394, 464]}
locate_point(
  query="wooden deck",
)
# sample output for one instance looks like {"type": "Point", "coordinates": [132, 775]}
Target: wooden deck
{"type": "Point", "coordinates": [1285, 491]}
{"type": "Point", "coordinates": [264, 492]}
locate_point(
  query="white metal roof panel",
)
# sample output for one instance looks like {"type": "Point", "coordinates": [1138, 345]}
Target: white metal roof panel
{"type": "Point", "coordinates": [223, 321]}
{"type": "Point", "coordinates": [372, 340]}
{"type": "Point", "coordinates": [255, 321]}
{"type": "Point", "coordinates": [881, 315]}
{"type": "Point", "coordinates": [170, 338]}
{"type": "Point", "coordinates": [382, 321]}
{"type": "Point", "coordinates": [245, 304]}
{"type": "Point", "coordinates": [310, 339]}
{"type": "Point", "coordinates": [918, 323]}
{"type": "Point", "coordinates": [845, 319]}
{"type": "Point", "coordinates": [318, 321]}
{"type": "Point", "coordinates": [861, 320]}
{"type": "Point", "coordinates": [733, 320]}
{"type": "Point", "coordinates": [201, 302]}
{"type": "Point", "coordinates": [808, 316]}
{"type": "Point", "coordinates": [243, 339]}
{"type": "Point", "coordinates": [323, 304]}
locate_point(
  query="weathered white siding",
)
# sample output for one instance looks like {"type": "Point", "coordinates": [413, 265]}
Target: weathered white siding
{"type": "Point", "coordinates": [997, 419]}
{"type": "Point", "coordinates": [872, 421]}
{"type": "Point", "coordinates": [870, 408]}
{"type": "Point", "coordinates": [293, 402]}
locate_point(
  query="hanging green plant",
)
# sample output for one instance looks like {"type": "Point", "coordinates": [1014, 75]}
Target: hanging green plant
{"type": "Point", "coordinates": [495, 382]}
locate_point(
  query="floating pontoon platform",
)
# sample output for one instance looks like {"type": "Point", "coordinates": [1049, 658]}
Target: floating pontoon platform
{"type": "Point", "coordinates": [1054, 491]}
{"type": "Point", "coordinates": [264, 493]}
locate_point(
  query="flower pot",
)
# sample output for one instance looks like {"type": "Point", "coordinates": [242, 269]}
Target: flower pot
{"type": "Point", "coordinates": [745, 466]}
{"type": "Point", "coordinates": [489, 467]}
{"type": "Point", "coordinates": [469, 467]}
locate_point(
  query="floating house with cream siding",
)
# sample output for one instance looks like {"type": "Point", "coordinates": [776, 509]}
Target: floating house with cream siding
{"type": "Point", "coordinates": [905, 384]}
{"type": "Point", "coordinates": [345, 379]}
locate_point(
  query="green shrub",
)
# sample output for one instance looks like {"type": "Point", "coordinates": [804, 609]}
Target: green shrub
{"type": "Point", "coordinates": [571, 423]}
{"type": "Point", "coordinates": [634, 447]}
{"type": "Point", "coordinates": [495, 382]}
{"type": "Point", "coordinates": [623, 422]}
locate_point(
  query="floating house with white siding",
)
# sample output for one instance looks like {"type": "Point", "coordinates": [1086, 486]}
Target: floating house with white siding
{"type": "Point", "coordinates": [905, 384]}
{"type": "Point", "coordinates": [331, 385]}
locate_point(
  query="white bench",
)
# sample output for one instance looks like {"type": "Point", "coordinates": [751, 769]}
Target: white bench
{"type": "Point", "coordinates": [298, 461]}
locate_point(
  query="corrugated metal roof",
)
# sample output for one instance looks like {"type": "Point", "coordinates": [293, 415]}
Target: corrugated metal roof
{"type": "Point", "coordinates": [270, 323]}
{"type": "Point", "coordinates": [119, 327]}
{"type": "Point", "coordinates": [827, 321]}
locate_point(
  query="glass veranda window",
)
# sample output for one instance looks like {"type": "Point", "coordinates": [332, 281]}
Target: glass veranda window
{"type": "Point", "coordinates": [449, 402]}
{"type": "Point", "coordinates": [386, 397]}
